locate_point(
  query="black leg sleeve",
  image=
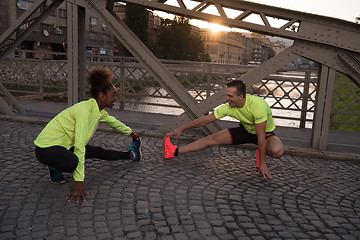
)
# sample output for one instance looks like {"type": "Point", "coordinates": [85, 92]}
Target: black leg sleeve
{"type": "Point", "coordinates": [105, 154]}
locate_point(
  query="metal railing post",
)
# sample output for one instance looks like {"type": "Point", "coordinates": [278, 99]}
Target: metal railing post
{"type": "Point", "coordinates": [122, 84]}
{"type": "Point", "coordinates": [305, 99]}
{"type": "Point", "coordinates": [41, 74]}
{"type": "Point", "coordinates": [208, 83]}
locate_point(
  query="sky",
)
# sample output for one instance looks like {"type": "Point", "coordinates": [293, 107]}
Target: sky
{"type": "Point", "coordinates": [345, 9]}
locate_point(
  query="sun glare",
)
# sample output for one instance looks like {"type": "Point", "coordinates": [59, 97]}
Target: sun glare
{"type": "Point", "coordinates": [215, 27]}
{"type": "Point", "coordinates": [212, 26]}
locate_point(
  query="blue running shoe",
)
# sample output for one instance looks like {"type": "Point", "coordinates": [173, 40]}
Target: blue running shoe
{"type": "Point", "coordinates": [135, 150]}
{"type": "Point", "coordinates": [56, 176]}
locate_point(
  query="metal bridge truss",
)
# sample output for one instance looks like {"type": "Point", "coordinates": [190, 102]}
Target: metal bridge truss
{"type": "Point", "coordinates": [333, 43]}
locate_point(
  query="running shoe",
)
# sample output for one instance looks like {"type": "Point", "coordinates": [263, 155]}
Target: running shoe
{"type": "Point", "coordinates": [56, 176]}
{"type": "Point", "coordinates": [135, 150]}
{"type": "Point", "coordinates": [257, 158]}
{"type": "Point", "coordinates": [169, 148]}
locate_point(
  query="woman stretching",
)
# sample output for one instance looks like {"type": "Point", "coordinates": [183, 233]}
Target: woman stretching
{"type": "Point", "coordinates": [62, 144]}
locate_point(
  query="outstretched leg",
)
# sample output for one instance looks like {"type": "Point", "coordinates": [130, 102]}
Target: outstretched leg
{"type": "Point", "coordinates": [220, 138]}
{"type": "Point", "coordinates": [134, 152]}
{"type": "Point", "coordinates": [106, 154]}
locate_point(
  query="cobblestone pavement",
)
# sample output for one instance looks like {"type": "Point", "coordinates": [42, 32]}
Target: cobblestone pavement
{"type": "Point", "coordinates": [212, 194]}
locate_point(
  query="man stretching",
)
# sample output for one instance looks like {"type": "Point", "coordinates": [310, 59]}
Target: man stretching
{"type": "Point", "coordinates": [256, 126]}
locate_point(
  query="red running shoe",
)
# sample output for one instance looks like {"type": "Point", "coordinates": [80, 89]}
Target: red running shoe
{"type": "Point", "coordinates": [257, 158]}
{"type": "Point", "coordinates": [169, 148]}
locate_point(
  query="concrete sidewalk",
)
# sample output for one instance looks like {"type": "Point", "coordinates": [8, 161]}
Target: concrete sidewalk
{"type": "Point", "coordinates": [341, 145]}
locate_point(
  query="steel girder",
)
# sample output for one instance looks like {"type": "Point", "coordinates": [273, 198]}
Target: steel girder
{"type": "Point", "coordinates": [76, 55]}
{"type": "Point", "coordinates": [8, 103]}
{"type": "Point", "coordinates": [341, 60]}
{"type": "Point", "coordinates": [28, 17]}
{"type": "Point", "coordinates": [325, 31]}
{"type": "Point", "coordinates": [322, 113]}
{"type": "Point", "coordinates": [147, 59]}
{"type": "Point", "coordinates": [309, 27]}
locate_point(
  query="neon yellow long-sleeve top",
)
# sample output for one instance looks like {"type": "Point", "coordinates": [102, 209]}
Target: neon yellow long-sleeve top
{"type": "Point", "coordinates": [74, 126]}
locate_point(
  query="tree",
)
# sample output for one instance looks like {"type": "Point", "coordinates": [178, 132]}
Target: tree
{"type": "Point", "coordinates": [177, 41]}
{"type": "Point", "coordinates": [271, 53]}
{"type": "Point", "coordinates": [137, 18]}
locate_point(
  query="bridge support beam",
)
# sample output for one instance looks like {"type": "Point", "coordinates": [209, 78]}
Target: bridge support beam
{"type": "Point", "coordinates": [323, 102]}
{"type": "Point", "coordinates": [147, 58]}
{"type": "Point", "coordinates": [76, 52]}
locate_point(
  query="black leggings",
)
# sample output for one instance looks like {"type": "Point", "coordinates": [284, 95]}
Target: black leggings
{"type": "Point", "coordinates": [65, 160]}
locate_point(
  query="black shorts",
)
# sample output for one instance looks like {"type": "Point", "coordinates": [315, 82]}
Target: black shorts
{"type": "Point", "coordinates": [240, 135]}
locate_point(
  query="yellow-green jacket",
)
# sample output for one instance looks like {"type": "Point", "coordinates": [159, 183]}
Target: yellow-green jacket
{"type": "Point", "coordinates": [74, 127]}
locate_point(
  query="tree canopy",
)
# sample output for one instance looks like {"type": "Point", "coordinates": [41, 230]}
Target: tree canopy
{"type": "Point", "coordinates": [137, 19]}
{"type": "Point", "coordinates": [178, 41]}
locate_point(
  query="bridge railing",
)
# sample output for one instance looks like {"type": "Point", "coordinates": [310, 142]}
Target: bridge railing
{"type": "Point", "coordinates": [290, 92]}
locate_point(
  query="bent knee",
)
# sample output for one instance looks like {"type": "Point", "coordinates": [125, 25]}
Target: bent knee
{"type": "Point", "coordinates": [277, 153]}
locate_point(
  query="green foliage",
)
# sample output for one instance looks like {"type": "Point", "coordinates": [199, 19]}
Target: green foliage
{"type": "Point", "coordinates": [271, 53]}
{"type": "Point", "coordinates": [177, 41]}
{"type": "Point", "coordinates": [137, 87]}
{"type": "Point", "coordinates": [137, 18]}
{"type": "Point", "coordinates": [346, 99]}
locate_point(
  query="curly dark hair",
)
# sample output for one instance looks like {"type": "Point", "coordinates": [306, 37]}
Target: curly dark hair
{"type": "Point", "coordinates": [100, 80]}
{"type": "Point", "coordinates": [239, 85]}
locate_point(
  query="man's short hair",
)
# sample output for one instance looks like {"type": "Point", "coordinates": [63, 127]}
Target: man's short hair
{"type": "Point", "coordinates": [239, 85]}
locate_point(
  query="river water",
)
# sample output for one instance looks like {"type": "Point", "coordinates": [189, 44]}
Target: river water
{"type": "Point", "coordinates": [284, 103]}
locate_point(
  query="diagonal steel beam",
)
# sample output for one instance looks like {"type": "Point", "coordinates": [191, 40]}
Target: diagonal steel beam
{"type": "Point", "coordinates": [149, 61]}
{"type": "Point", "coordinates": [29, 30]}
{"type": "Point", "coordinates": [8, 102]}
{"type": "Point", "coordinates": [310, 27]}
{"type": "Point", "coordinates": [21, 20]}
{"type": "Point", "coordinates": [339, 59]}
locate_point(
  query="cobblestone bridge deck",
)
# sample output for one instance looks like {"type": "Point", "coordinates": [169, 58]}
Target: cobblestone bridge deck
{"type": "Point", "coordinates": [212, 194]}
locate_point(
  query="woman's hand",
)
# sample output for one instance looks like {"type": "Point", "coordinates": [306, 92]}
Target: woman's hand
{"type": "Point", "coordinates": [78, 191]}
{"type": "Point", "coordinates": [135, 136]}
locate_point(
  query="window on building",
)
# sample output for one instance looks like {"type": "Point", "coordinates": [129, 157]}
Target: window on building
{"type": "Point", "coordinates": [62, 13]}
{"type": "Point", "coordinates": [105, 38]}
{"type": "Point", "coordinates": [93, 36]}
{"type": "Point", "coordinates": [93, 21]}
{"type": "Point", "coordinates": [25, 26]}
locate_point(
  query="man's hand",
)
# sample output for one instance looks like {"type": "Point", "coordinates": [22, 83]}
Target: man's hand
{"type": "Point", "coordinates": [176, 133]}
{"type": "Point", "coordinates": [263, 169]}
{"type": "Point", "coordinates": [77, 191]}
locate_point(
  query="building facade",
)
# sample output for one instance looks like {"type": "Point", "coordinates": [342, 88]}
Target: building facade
{"type": "Point", "coordinates": [236, 48]}
{"type": "Point", "coordinates": [223, 47]}
{"type": "Point", "coordinates": [278, 46]}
